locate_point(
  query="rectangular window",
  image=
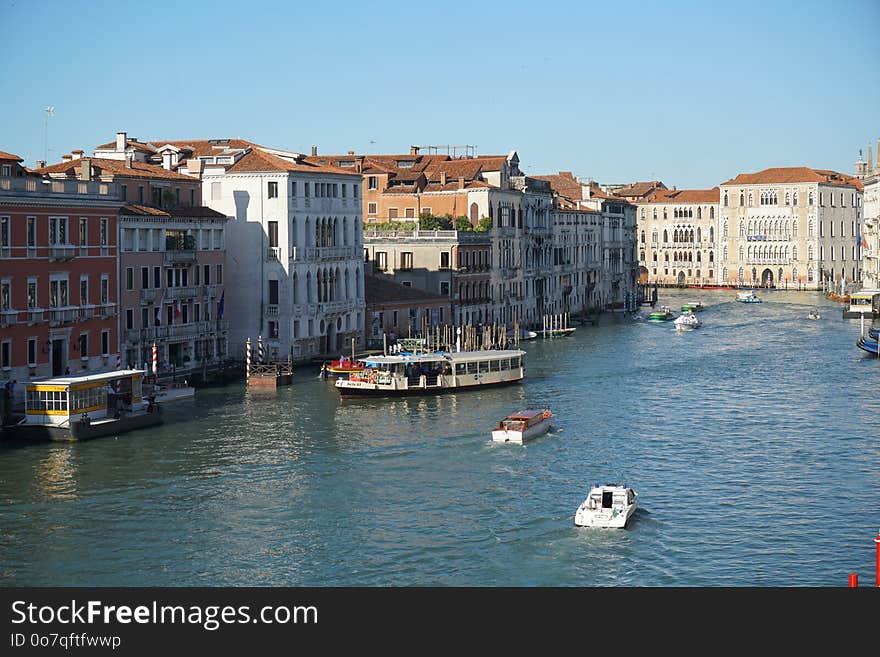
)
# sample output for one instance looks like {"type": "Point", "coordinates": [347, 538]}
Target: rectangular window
{"type": "Point", "coordinates": [105, 343]}
{"type": "Point", "coordinates": [32, 293]}
{"type": "Point", "coordinates": [207, 270]}
{"type": "Point", "coordinates": [124, 192]}
{"type": "Point", "coordinates": [141, 194]}
{"type": "Point", "coordinates": [306, 186]}
{"type": "Point", "coordinates": [197, 312]}
{"type": "Point", "coordinates": [129, 318]}
{"type": "Point", "coordinates": [293, 188]}
{"type": "Point", "coordinates": [273, 233]}
{"type": "Point", "coordinates": [392, 213]}
{"type": "Point", "coordinates": [371, 208]}
{"type": "Point", "coordinates": [273, 292]}
{"type": "Point", "coordinates": [444, 260]}
{"type": "Point", "coordinates": [4, 232]}
{"type": "Point", "coordinates": [83, 231]}
{"type": "Point", "coordinates": [372, 182]}
{"type": "Point", "coordinates": [444, 288]}
{"type": "Point", "coordinates": [83, 290]}
{"type": "Point", "coordinates": [219, 274]}
{"type": "Point", "coordinates": [145, 317]}
{"type": "Point", "coordinates": [273, 189]}
{"type": "Point", "coordinates": [273, 330]}
{"type": "Point", "coordinates": [192, 197]}
{"type": "Point", "coordinates": [406, 260]}
{"type": "Point", "coordinates": [32, 352]}
{"type": "Point", "coordinates": [354, 191]}
{"type": "Point", "coordinates": [31, 231]}
{"type": "Point", "coordinates": [145, 277]}
{"type": "Point", "coordinates": [129, 278]}
{"type": "Point", "coordinates": [5, 295]}
{"type": "Point", "coordinates": [344, 186]}
{"type": "Point", "coordinates": [381, 260]}
{"type": "Point", "coordinates": [104, 233]}
{"type": "Point", "coordinates": [105, 289]}
{"type": "Point", "coordinates": [6, 354]}
{"type": "Point", "coordinates": [196, 275]}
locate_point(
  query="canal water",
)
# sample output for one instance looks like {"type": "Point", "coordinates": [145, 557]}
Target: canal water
{"type": "Point", "coordinates": [752, 442]}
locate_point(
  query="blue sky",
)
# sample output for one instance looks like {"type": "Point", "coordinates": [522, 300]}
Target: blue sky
{"type": "Point", "coordinates": [690, 93]}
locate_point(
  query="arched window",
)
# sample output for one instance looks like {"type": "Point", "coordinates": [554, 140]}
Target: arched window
{"type": "Point", "coordinates": [711, 212]}
{"type": "Point", "coordinates": [742, 228]}
{"type": "Point", "coordinates": [699, 213]}
{"type": "Point", "coordinates": [787, 198]}
{"type": "Point", "coordinates": [794, 201]}
{"type": "Point", "coordinates": [665, 236]}
{"type": "Point", "coordinates": [794, 228]}
{"type": "Point", "coordinates": [741, 253]}
{"type": "Point", "coordinates": [794, 275]}
{"type": "Point", "coordinates": [654, 237]}
{"type": "Point", "coordinates": [664, 213]}
{"type": "Point", "coordinates": [643, 213]}
{"type": "Point", "coordinates": [675, 213]}
{"type": "Point", "coordinates": [741, 275]}
{"type": "Point", "coordinates": [810, 201]}
{"type": "Point", "coordinates": [655, 214]}
{"type": "Point", "coordinates": [725, 200]}
{"type": "Point", "coordinates": [724, 231]}
{"type": "Point", "coordinates": [810, 275]}
{"type": "Point", "coordinates": [641, 256]}
{"type": "Point", "coordinates": [699, 257]}
{"type": "Point", "coordinates": [294, 296]}
{"type": "Point", "coordinates": [666, 258]}
{"type": "Point", "coordinates": [655, 258]}
{"type": "Point", "coordinates": [751, 199]}
{"type": "Point", "coordinates": [794, 252]}
{"type": "Point", "coordinates": [711, 234]}
{"type": "Point", "coordinates": [809, 252]}
{"type": "Point", "coordinates": [712, 256]}
{"type": "Point", "coordinates": [741, 199]}
{"type": "Point", "coordinates": [810, 228]}
{"type": "Point", "coordinates": [724, 274]}
{"type": "Point", "coordinates": [699, 234]}
{"type": "Point", "coordinates": [643, 237]}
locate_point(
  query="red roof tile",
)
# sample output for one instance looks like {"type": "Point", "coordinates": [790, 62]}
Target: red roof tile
{"type": "Point", "coordinates": [9, 156]}
{"type": "Point", "coordinates": [685, 196]}
{"type": "Point", "coordinates": [106, 167]}
{"type": "Point", "coordinates": [784, 175]}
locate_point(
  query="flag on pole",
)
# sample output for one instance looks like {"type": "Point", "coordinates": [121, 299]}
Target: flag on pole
{"type": "Point", "coordinates": [159, 308]}
{"type": "Point", "coordinates": [221, 304]}
{"type": "Point", "coordinates": [863, 242]}
{"type": "Point", "coordinates": [177, 309]}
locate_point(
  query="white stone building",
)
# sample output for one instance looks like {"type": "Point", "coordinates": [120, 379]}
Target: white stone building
{"type": "Point", "coordinates": [791, 227]}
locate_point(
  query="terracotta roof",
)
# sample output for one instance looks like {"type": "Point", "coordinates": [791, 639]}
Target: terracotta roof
{"type": "Point", "coordinates": [639, 188]}
{"type": "Point", "coordinates": [563, 183]}
{"type": "Point", "coordinates": [178, 211]}
{"type": "Point", "coordinates": [685, 196]}
{"type": "Point", "coordinates": [384, 290]}
{"type": "Point", "coordinates": [9, 156]}
{"type": "Point", "coordinates": [106, 167]}
{"type": "Point", "coordinates": [130, 143]}
{"type": "Point", "coordinates": [795, 175]}
{"type": "Point", "coordinates": [257, 160]}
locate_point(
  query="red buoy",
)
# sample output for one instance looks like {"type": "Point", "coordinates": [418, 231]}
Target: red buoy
{"type": "Point", "coordinates": [877, 543]}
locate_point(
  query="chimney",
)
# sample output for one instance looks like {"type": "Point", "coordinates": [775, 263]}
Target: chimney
{"type": "Point", "coordinates": [314, 151]}
{"type": "Point", "coordinates": [85, 172]}
{"type": "Point", "coordinates": [194, 166]}
{"type": "Point", "coordinates": [358, 166]}
{"type": "Point", "coordinates": [461, 182]}
{"type": "Point", "coordinates": [67, 157]}
{"type": "Point", "coordinates": [413, 150]}
{"type": "Point", "coordinates": [128, 157]}
{"type": "Point", "coordinates": [41, 164]}
{"type": "Point", "coordinates": [120, 142]}
{"type": "Point", "coordinates": [166, 160]}
{"type": "Point", "coordinates": [77, 154]}
{"type": "Point", "coordinates": [442, 177]}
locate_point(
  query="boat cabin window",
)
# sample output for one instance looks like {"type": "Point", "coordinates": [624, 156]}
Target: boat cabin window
{"type": "Point", "coordinates": [91, 398]}
{"type": "Point", "coordinates": [505, 363]}
{"type": "Point", "coordinates": [460, 368]}
{"type": "Point", "coordinates": [607, 497]}
{"type": "Point", "coordinates": [472, 368]}
{"type": "Point", "coordinates": [495, 365]}
{"type": "Point", "coordinates": [629, 497]}
{"type": "Point", "coordinates": [514, 363]}
{"type": "Point", "coordinates": [512, 425]}
{"type": "Point", "coordinates": [47, 400]}
{"type": "Point", "coordinates": [484, 366]}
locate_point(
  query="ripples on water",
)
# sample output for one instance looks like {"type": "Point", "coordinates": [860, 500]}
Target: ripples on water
{"type": "Point", "coordinates": [753, 443]}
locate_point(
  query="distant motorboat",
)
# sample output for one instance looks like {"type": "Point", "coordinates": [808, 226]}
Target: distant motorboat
{"type": "Point", "coordinates": [662, 315]}
{"type": "Point", "coordinates": [609, 506]}
{"type": "Point", "coordinates": [748, 297]}
{"type": "Point", "coordinates": [522, 426]}
{"type": "Point", "coordinates": [687, 322]}
{"type": "Point", "coordinates": [814, 314]}
{"type": "Point", "coordinates": [693, 306]}
{"type": "Point", "coordinates": [524, 334]}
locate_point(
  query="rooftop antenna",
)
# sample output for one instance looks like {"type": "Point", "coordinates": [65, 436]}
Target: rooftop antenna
{"type": "Point", "coordinates": [50, 111]}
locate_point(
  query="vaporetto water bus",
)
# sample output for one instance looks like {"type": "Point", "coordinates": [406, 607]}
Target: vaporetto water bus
{"type": "Point", "coordinates": [87, 406]}
{"type": "Point", "coordinates": [433, 373]}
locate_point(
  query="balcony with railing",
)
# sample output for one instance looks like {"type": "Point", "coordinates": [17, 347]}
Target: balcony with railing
{"type": "Point", "coordinates": [80, 189]}
{"type": "Point", "coordinates": [191, 330]}
{"type": "Point", "coordinates": [61, 251]}
{"type": "Point", "coordinates": [179, 255]}
{"type": "Point", "coordinates": [188, 292]}
{"type": "Point", "coordinates": [8, 318]}
{"type": "Point", "coordinates": [272, 310]}
{"type": "Point", "coordinates": [273, 253]}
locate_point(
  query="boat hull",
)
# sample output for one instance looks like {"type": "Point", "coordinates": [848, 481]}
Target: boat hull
{"type": "Point", "coordinates": [375, 390]}
{"type": "Point", "coordinates": [79, 431]}
{"type": "Point", "coordinates": [605, 518]}
{"type": "Point", "coordinates": [867, 344]}
{"type": "Point", "coordinates": [519, 437]}
{"type": "Point", "coordinates": [174, 394]}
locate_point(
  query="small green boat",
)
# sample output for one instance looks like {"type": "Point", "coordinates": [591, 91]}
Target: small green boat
{"type": "Point", "coordinates": [693, 307]}
{"type": "Point", "coordinates": [662, 315]}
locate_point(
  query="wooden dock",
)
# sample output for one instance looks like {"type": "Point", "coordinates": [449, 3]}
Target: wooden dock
{"type": "Point", "coordinates": [270, 375]}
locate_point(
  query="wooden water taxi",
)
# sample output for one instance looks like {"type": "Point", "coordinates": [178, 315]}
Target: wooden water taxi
{"type": "Point", "coordinates": [82, 407]}
{"type": "Point", "coordinates": [522, 426]}
{"type": "Point", "coordinates": [433, 373]}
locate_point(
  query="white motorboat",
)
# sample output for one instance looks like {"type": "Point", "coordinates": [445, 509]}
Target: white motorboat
{"type": "Point", "coordinates": [522, 426]}
{"type": "Point", "coordinates": [748, 297]}
{"type": "Point", "coordinates": [687, 322]}
{"type": "Point", "coordinates": [608, 506]}
{"type": "Point", "coordinates": [173, 392]}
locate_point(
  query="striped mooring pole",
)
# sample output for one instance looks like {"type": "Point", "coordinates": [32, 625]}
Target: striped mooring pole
{"type": "Point", "coordinates": [118, 361]}
{"type": "Point", "coordinates": [260, 354]}
{"type": "Point", "coordinates": [247, 358]}
{"type": "Point", "coordinates": [155, 361]}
